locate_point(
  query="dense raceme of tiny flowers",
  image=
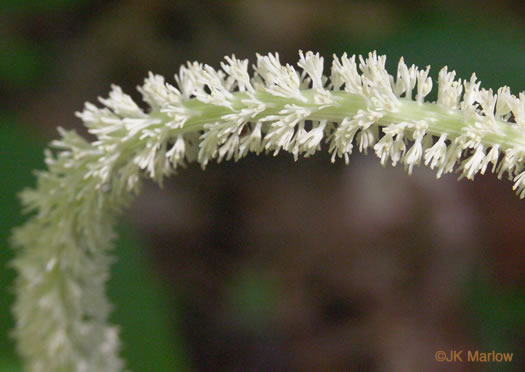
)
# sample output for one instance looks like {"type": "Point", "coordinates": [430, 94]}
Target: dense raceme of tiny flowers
{"type": "Point", "coordinates": [62, 251]}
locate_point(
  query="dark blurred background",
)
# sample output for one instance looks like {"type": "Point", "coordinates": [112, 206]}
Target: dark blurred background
{"type": "Point", "coordinates": [268, 264]}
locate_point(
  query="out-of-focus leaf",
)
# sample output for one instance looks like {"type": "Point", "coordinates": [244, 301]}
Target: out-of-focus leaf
{"type": "Point", "coordinates": [496, 317]}
{"type": "Point", "coordinates": [10, 365]}
{"type": "Point", "coordinates": [251, 297]}
{"type": "Point", "coordinates": [495, 52]}
{"type": "Point", "coordinates": [20, 152]}
{"type": "Point", "coordinates": [143, 311]}
{"type": "Point", "coordinates": [21, 62]}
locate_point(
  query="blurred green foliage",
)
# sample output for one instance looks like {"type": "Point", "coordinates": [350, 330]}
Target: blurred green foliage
{"type": "Point", "coordinates": [144, 312]}
{"type": "Point", "coordinates": [22, 63]}
{"type": "Point", "coordinates": [477, 45]}
{"type": "Point", "coordinates": [496, 317]}
{"type": "Point", "coordinates": [20, 152]}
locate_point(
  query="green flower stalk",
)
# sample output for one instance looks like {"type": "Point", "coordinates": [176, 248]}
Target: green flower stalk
{"type": "Point", "coordinates": [63, 250]}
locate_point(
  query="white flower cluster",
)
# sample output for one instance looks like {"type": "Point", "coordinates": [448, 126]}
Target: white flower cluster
{"type": "Point", "coordinates": [62, 258]}
{"type": "Point", "coordinates": [225, 114]}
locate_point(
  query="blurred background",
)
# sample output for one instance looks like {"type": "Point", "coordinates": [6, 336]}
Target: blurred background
{"type": "Point", "coordinates": [268, 264]}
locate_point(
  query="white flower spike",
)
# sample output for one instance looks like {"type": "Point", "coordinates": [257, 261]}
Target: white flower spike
{"type": "Point", "coordinates": [62, 251]}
